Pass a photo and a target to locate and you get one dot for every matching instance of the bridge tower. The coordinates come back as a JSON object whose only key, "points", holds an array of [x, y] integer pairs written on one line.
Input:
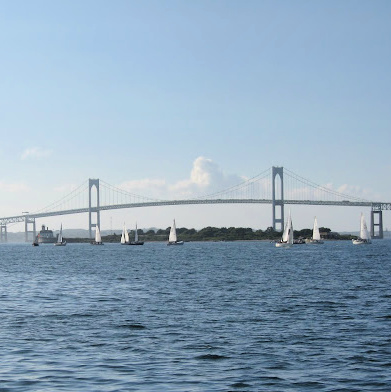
{"points": [[29, 221], [3, 232], [376, 221], [91, 210], [278, 203]]}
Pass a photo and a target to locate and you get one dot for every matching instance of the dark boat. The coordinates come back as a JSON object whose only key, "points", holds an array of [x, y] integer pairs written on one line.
{"points": [[135, 243], [125, 238]]}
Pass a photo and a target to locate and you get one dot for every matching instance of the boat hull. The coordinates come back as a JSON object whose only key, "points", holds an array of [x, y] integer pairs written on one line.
{"points": [[313, 242], [175, 243], [360, 242], [60, 243], [283, 245]]}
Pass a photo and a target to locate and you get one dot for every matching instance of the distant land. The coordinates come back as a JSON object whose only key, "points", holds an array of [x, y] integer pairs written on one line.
{"points": [[67, 233]]}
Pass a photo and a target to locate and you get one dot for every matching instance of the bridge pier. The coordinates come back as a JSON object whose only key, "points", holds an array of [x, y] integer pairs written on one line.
{"points": [[376, 222], [3, 233], [29, 221], [93, 183], [278, 203]]}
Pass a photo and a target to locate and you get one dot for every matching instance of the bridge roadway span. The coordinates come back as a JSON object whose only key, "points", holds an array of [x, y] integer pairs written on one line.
{"points": [[21, 218]]}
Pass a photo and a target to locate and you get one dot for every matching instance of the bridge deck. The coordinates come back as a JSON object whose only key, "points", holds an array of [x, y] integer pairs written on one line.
{"points": [[378, 206]]}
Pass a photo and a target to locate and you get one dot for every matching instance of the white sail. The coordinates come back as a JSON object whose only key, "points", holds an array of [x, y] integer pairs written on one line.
{"points": [[59, 239], [287, 235], [98, 237], [364, 234], [290, 236], [172, 236], [126, 234], [123, 235], [135, 234], [315, 231]]}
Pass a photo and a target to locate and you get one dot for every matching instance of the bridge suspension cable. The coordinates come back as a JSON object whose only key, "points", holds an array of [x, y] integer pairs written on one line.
{"points": [[258, 187], [111, 194], [300, 188], [77, 198]]}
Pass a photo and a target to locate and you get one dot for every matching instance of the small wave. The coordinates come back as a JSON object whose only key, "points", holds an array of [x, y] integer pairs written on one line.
{"points": [[98, 344], [240, 385], [386, 317], [132, 326], [211, 357], [309, 384]]}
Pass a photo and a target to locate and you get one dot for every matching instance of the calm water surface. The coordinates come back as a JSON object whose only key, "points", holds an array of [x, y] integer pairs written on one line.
{"points": [[227, 316]]}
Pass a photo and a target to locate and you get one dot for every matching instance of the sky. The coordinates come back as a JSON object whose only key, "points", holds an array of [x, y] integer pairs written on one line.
{"points": [[195, 95]]}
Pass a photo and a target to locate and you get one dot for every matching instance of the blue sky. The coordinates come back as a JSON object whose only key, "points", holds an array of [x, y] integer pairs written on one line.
{"points": [[136, 92]]}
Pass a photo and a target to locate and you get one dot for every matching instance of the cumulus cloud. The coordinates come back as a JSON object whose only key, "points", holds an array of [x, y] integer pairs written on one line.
{"points": [[35, 153], [16, 187], [205, 177]]}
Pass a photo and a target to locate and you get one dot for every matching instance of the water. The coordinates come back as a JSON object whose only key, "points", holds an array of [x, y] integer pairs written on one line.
{"points": [[227, 316]]}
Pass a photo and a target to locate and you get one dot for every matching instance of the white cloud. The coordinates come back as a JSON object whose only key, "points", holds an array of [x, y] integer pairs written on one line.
{"points": [[35, 153], [205, 177]]}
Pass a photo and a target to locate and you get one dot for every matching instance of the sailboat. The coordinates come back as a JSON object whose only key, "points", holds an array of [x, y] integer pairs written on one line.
{"points": [[60, 239], [364, 237], [315, 235], [124, 236], [136, 240], [172, 238], [287, 236], [98, 238]]}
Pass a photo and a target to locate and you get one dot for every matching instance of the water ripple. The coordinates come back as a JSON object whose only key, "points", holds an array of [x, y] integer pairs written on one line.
{"points": [[207, 317]]}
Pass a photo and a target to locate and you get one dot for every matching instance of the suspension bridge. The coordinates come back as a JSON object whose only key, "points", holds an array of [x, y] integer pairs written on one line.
{"points": [[275, 186]]}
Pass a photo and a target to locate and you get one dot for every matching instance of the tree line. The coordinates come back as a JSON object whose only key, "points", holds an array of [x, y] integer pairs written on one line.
{"points": [[219, 234]]}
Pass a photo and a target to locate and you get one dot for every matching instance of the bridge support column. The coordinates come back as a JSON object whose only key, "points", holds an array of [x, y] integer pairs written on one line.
{"points": [[278, 203], [3, 233], [376, 222], [29, 221], [91, 210]]}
